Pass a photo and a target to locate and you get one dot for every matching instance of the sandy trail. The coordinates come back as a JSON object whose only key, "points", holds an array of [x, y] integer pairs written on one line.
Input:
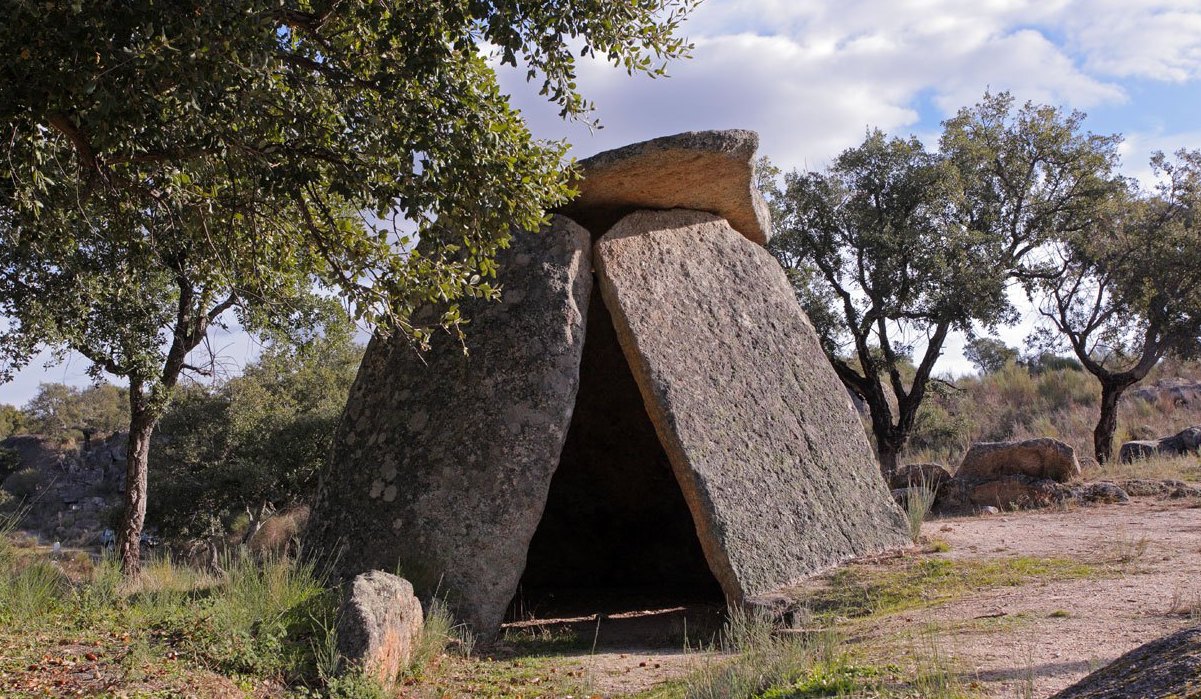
{"points": [[1060, 631]]}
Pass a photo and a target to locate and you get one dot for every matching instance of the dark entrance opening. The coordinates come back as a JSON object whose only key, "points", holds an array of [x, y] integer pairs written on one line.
{"points": [[616, 535]]}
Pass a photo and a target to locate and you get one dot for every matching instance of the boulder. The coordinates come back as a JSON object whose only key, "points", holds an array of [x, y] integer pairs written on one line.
{"points": [[1102, 492], [379, 625], [442, 462], [1034, 458], [1137, 450], [711, 171], [932, 476], [1173, 391], [770, 455], [1019, 492], [1166, 667], [1187, 441]]}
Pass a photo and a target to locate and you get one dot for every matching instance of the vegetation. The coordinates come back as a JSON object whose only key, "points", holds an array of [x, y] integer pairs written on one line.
{"points": [[260, 623], [234, 453], [1027, 399], [170, 169], [69, 415], [1128, 292], [894, 243]]}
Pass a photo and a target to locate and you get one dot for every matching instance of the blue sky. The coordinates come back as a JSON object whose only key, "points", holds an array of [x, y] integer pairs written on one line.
{"points": [[812, 75]]}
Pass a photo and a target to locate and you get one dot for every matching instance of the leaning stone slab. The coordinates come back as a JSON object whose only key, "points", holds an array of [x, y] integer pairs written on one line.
{"points": [[769, 452], [710, 171], [379, 625], [441, 464], [1034, 458], [1167, 667]]}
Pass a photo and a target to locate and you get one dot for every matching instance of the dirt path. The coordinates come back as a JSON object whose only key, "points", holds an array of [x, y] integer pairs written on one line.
{"points": [[1007, 641], [1048, 635]]}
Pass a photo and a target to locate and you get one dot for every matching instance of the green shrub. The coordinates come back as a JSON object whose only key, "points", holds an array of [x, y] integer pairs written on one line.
{"points": [[10, 462], [24, 483]]}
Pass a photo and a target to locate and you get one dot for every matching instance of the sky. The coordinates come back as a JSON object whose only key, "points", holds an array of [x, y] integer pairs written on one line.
{"points": [[811, 76]]}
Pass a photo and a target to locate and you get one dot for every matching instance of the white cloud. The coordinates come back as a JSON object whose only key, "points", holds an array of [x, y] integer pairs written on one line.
{"points": [[1154, 39], [811, 76]]}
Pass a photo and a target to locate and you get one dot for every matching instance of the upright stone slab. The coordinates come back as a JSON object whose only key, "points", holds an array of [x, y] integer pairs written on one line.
{"points": [[710, 171], [766, 446], [442, 462]]}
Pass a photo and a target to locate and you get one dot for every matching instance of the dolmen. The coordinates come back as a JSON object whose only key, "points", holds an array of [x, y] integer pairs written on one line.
{"points": [[647, 406]]}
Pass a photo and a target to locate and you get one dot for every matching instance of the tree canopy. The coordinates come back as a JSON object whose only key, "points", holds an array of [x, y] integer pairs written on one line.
{"points": [[894, 246], [1128, 291], [169, 167]]}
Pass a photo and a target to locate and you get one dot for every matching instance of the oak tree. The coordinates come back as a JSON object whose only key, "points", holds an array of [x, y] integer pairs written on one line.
{"points": [[167, 168], [893, 247], [1128, 292]]}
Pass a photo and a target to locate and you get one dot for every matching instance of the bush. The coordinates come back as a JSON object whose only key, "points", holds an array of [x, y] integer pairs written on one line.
{"points": [[24, 483], [10, 462], [257, 442]]}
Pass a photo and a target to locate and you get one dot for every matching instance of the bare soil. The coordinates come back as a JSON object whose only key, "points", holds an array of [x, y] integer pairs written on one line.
{"points": [[1045, 636], [1028, 640]]}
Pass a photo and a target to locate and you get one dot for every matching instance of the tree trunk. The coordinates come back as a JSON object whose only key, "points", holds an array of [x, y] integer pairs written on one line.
{"points": [[888, 450], [1107, 423], [141, 425]]}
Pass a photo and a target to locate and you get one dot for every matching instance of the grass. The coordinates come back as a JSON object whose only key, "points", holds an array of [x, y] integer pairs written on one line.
{"points": [[262, 625], [1177, 468], [766, 664], [918, 502], [859, 591], [1186, 603]]}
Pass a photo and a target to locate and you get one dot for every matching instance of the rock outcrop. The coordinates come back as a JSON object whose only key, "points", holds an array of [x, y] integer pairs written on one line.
{"points": [[711, 171], [1172, 391], [768, 451], [443, 460], [379, 625], [1169, 667], [1184, 442], [66, 494], [1012, 475], [1045, 458]]}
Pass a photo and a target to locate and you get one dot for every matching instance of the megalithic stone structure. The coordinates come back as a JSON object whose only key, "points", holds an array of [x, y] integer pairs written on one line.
{"points": [[681, 427], [767, 449], [442, 460]]}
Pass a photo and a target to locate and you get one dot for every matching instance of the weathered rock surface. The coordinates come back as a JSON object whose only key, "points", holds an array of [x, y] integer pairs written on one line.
{"points": [[932, 476], [769, 453], [379, 625], [442, 462], [1172, 391], [711, 171], [1167, 667], [1187, 441], [1102, 492], [1035, 458], [67, 494], [1142, 487], [1019, 492]]}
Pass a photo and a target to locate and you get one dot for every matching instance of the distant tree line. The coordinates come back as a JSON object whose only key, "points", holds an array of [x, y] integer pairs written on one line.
{"points": [[895, 246], [250, 444]]}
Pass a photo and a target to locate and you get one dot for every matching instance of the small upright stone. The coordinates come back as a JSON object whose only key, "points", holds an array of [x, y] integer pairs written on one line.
{"points": [[379, 625], [711, 171]]}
